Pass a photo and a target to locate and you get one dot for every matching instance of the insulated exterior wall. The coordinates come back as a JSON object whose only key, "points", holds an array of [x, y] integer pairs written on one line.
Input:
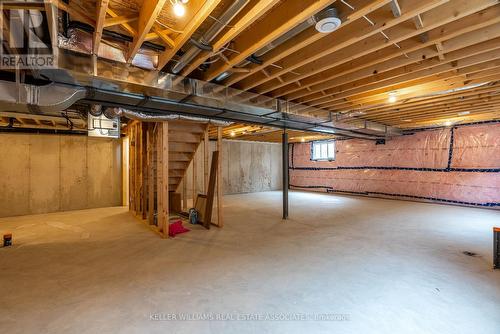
{"points": [[459, 165], [48, 173]]}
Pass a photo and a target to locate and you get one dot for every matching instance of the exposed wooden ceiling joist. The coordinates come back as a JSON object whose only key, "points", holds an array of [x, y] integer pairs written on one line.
{"points": [[315, 60], [371, 66], [101, 7], [188, 31], [253, 14], [147, 17], [280, 20], [302, 40]]}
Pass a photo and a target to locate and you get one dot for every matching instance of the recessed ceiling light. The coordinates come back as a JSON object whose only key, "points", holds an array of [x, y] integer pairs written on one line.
{"points": [[179, 9], [463, 113], [448, 123], [233, 134], [302, 139], [392, 97]]}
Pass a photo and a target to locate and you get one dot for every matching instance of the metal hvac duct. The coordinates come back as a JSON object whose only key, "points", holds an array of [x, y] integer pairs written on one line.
{"points": [[209, 35], [47, 99]]}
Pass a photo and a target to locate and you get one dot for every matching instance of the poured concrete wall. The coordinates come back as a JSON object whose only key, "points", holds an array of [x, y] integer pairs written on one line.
{"points": [[246, 167], [47, 173]]}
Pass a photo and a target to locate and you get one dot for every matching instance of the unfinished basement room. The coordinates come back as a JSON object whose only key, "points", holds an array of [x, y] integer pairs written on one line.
{"points": [[250, 166]]}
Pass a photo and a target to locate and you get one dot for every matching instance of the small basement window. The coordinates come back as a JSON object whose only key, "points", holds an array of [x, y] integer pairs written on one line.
{"points": [[323, 150]]}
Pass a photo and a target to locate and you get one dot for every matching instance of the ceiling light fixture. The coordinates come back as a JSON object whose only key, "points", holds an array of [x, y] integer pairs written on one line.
{"points": [[448, 123], [302, 140], [233, 134], [179, 9], [327, 21], [392, 97]]}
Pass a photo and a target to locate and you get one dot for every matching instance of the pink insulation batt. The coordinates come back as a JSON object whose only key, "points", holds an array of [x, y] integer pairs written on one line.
{"points": [[415, 166]]}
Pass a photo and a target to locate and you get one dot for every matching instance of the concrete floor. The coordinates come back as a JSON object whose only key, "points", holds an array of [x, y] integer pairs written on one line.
{"points": [[381, 266]]}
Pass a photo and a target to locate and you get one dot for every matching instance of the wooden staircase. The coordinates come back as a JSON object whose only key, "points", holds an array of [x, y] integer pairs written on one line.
{"points": [[147, 170], [183, 141]]}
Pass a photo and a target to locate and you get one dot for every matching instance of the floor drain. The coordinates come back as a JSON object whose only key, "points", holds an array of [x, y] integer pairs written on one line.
{"points": [[469, 253]]}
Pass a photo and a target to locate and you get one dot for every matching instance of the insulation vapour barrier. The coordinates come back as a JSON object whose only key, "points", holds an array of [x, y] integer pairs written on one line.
{"points": [[459, 165]]}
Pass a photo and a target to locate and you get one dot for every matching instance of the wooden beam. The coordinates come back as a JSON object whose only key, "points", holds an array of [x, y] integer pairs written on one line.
{"points": [[162, 34], [283, 18], [75, 11], [206, 149], [165, 177], [355, 39], [374, 64], [444, 15], [435, 83], [220, 218], [76, 121], [252, 15], [151, 175], [51, 13], [101, 7], [132, 169], [159, 176], [303, 40], [194, 180], [131, 30], [145, 172], [408, 79], [147, 17], [351, 81], [184, 193], [118, 20], [189, 30], [138, 168]]}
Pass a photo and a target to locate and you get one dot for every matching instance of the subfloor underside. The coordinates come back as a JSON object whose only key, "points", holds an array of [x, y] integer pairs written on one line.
{"points": [[339, 264]]}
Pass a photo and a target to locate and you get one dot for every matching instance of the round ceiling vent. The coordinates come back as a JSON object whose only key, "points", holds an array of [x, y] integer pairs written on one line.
{"points": [[327, 21]]}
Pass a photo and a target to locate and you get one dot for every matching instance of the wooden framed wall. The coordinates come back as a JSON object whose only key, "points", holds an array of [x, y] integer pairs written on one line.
{"points": [[159, 156]]}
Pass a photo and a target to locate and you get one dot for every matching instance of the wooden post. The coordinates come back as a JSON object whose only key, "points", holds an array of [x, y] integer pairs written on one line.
{"points": [[220, 221], [137, 167], [184, 193], [151, 175], [144, 167], [206, 148], [131, 166], [159, 175], [194, 178], [165, 179]]}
